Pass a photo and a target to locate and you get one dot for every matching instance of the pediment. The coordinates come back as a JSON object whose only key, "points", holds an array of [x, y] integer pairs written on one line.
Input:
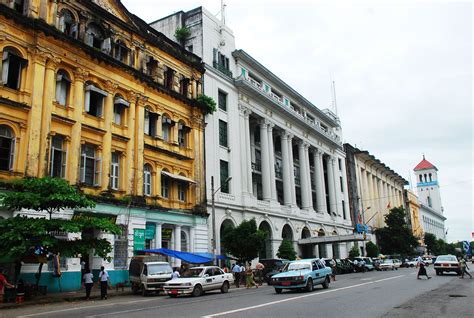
{"points": [[115, 8]]}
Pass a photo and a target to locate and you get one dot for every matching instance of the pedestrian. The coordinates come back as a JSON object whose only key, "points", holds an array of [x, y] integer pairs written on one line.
{"points": [[249, 279], [333, 269], [236, 270], [88, 279], [259, 274], [464, 268], [3, 283], [104, 279], [422, 270], [175, 274]]}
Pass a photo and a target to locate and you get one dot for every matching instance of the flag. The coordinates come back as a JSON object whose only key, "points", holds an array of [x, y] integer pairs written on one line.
{"points": [[388, 205], [466, 246]]}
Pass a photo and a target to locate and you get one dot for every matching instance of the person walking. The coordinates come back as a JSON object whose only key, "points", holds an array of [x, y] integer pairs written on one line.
{"points": [[175, 274], [259, 274], [88, 279], [249, 279], [464, 268], [236, 270], [104, 279], [333, 269], [422, 270], [3, 283]]}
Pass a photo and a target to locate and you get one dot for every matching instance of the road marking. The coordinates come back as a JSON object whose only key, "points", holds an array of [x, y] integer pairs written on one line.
{"points": [[298, 297]]}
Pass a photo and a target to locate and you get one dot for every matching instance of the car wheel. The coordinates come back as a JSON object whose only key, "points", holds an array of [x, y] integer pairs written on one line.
{"points": [[309, 285], [326, 283], [278, 290], [225, 287], [135, 288], [173, 295], [437, 273], [144, 291], [197, 291]]}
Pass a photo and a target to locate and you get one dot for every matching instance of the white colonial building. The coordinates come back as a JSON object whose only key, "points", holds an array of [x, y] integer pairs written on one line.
{"points": [[429, 197], [284, 155]]}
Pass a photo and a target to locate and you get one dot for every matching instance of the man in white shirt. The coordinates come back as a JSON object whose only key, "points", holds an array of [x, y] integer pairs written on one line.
{"points": [[175, 274], [103, 281]]}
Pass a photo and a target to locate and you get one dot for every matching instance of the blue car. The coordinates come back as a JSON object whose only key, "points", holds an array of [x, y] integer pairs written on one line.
{"points": [[302, 274]]}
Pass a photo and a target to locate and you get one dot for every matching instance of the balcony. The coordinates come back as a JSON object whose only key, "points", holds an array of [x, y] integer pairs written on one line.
{"points": [[222, 69]]}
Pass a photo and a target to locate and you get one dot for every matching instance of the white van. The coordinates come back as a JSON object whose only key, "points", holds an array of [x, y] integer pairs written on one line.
{"points": [[148, 274]]}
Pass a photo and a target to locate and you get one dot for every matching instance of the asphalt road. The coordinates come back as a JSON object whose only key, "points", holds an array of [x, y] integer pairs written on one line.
{"points": [[373, 294]]}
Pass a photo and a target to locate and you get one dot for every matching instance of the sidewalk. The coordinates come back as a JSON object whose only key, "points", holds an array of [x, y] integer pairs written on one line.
{"points": [[67, 297]]}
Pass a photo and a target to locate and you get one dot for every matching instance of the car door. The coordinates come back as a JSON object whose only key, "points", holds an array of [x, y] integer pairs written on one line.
{"points": [[219, 277], [318, 273], [208, 279]]}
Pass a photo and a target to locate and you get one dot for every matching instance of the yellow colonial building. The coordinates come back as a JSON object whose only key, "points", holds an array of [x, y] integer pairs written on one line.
{"points": [[90, 93], [413, 206]]}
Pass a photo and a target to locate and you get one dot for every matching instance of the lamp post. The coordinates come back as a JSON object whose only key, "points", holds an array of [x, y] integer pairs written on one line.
{"points": [[213, 210], [363, 224]]}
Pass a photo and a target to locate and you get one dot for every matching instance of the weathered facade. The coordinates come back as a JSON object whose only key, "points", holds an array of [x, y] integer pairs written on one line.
{"points": [[90, 93]]}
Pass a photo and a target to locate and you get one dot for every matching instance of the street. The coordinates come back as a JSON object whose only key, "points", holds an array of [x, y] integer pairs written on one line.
{"points": [[372, 294]]}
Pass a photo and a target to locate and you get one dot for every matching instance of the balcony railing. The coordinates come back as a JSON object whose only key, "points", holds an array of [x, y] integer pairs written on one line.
{"points": [[222, 69]]}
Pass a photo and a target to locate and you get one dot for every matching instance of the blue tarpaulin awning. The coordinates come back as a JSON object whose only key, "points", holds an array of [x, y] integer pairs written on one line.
{"points": [[185, 256]]}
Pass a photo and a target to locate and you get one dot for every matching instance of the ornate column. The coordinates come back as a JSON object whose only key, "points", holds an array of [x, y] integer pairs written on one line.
{"points": [[303, 176], [332, 194], [345, 190], [140, 145], [78, 106], [265, 160], [271, 153], [308, 176], [158, 235], [245, 155], [110, 87], [319, 180], [292, 171], [192, 233], [287, 175], [130, 167], [48, 97], [177, 243], [337, 187]]}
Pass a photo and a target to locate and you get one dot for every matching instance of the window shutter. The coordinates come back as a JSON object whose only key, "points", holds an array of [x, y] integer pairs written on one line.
{"points": [[51, 165], [5, 65], [87, 101], [82, 170], [132, 58], [12, 154], [64, 164], [61, 24], [146, 127], [98, 171], [89, 38], [214, 51], [74, 30], [106, 46], [100, 108]]}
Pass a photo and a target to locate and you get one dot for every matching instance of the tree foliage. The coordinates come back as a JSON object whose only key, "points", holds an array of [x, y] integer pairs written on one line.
{"points": [[44, 194], [431, 244], [207, 104], [396, 237], [244, 241], [354, 251], [181, 34], [286, 250], [372, 249]]}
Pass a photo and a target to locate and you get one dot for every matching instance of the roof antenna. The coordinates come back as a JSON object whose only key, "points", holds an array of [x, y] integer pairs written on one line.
{"points": [[223, 5], [423, 156], [333, 95]]}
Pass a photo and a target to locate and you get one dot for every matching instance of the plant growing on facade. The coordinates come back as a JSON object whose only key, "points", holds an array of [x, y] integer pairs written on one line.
{"points": [[286, 250], [354, 251], [44, 194], [372, 249], [181, 34], [207, 104], [243, 241]]}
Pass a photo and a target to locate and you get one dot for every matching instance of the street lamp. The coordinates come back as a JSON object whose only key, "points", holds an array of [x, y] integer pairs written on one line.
{"points": [[213, 208]]}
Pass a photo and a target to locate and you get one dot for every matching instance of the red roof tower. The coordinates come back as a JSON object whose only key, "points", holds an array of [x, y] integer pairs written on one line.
{"points": [[425, 164]]}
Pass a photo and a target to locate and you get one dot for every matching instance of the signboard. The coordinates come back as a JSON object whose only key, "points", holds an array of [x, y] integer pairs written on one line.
{"points": [[138, 239], [150, 231], [360, 228], [166, 233], [78, 215]]}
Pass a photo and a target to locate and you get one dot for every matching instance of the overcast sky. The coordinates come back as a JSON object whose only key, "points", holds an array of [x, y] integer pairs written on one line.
{"points": [[403, 74]]}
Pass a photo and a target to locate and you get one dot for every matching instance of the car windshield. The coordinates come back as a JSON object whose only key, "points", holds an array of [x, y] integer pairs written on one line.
{"points": [[388, 261], [368, 260], [446, 259], [192, 272], [299, 266], [158, 269]]}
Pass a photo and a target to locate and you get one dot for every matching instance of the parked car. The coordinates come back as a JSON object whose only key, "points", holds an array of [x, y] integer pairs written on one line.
{"points": [[447, 263], [369, 263], [302, 274], [272, 266], [410, 262], [397, 263], [196, 280], [427, 261], [148, 274], [387, 264], [347, 266]]}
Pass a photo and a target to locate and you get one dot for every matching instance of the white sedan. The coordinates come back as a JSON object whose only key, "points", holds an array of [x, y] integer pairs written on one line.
{"points": [[387, 264], [196, 280]]}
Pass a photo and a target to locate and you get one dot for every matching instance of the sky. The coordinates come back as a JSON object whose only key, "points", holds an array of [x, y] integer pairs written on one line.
{"points": [[402, 73]]}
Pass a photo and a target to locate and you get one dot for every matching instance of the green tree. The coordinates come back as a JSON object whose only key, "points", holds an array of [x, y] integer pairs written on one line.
{"points": [[286, 250], [372, 249], [354, 251], [243, 241], [44, 194], [396, 237], [430, 242]]}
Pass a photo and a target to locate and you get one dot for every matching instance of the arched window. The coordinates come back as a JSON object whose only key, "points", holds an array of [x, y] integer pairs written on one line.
{"points": [[431, 177], [12, 67], [165, 186], [121, 51], [147, 180], [182, 187], [425, 177], [7, 148], [67, 23], [166, 124], [184, 242], [95, 37], [421, 178], [183, 134], [63, 85]]}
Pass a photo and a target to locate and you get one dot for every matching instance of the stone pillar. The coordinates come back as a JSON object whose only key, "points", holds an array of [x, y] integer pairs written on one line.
{"points": [[292, 171], [308, 176], [243, 150], [107, 141], [140, 146], [157, 235], [345, 190], [319, 180], [332, 195], [177, 243], [129, 169], [74, 152], [337, 187], [286, 173], [265, 161], [192, 234], [304, 184], [271, 154], [48, 97], [247, 145]]}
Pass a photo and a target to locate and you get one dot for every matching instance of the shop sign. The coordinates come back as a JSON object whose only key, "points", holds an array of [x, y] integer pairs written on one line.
{"points": [[150, 231], [138, 239], [166, 233]]}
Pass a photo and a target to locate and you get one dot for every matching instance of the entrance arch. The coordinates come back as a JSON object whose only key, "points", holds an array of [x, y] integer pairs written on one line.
{"points": [[306, 249], [225, 224], [266, 251], [287, 233], [322, 246]]}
